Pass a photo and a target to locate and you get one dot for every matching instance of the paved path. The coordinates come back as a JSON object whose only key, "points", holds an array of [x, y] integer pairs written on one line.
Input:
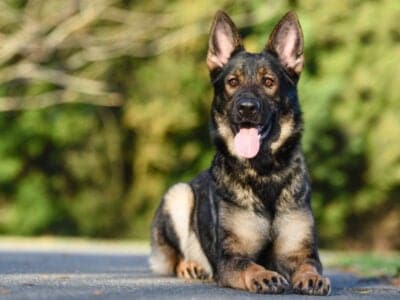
{"points": [[97, 271]]}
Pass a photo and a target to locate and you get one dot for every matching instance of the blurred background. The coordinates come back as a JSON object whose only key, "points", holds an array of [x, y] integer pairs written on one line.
{"points": [[105, 103]]}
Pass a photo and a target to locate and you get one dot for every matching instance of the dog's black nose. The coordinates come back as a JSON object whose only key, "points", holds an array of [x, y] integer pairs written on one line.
{"points": [[248, 107]]}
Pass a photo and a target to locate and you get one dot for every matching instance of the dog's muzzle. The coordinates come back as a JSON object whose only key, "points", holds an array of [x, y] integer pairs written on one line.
{"points": [[248, 110], [252, 126]]}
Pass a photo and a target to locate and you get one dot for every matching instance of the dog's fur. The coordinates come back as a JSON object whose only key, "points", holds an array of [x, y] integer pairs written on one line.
{"points": [[247, 222]]}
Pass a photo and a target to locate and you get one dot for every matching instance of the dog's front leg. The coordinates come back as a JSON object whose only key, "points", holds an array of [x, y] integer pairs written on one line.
{"points": [[306, 279], [296, 252], [242, 273], [242, 235]]}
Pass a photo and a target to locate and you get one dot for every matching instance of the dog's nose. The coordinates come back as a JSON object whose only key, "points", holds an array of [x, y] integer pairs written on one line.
{"points": [[248, 107]]}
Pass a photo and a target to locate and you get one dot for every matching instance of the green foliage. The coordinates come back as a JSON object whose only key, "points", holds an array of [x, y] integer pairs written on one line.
{"points": [[350, 102], [85, 168], [364, 263]]}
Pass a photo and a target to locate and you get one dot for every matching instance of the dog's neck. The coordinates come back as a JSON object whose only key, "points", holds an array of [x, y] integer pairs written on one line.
{"points": [[266, 165]]}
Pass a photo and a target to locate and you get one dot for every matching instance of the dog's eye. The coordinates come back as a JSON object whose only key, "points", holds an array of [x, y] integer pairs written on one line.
{"points": [[268, 82], [233, 82]]}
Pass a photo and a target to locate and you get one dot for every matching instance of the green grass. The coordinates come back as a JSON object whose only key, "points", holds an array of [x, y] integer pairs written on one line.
{"points": [[364, 263]]}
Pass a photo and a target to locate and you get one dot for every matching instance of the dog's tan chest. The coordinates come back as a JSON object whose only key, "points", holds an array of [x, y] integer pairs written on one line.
{"points": [[246, 232]]}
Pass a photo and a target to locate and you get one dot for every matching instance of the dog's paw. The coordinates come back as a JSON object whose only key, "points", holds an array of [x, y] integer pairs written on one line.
{"points": [[311, 283], [260, 280], [191, 270]]}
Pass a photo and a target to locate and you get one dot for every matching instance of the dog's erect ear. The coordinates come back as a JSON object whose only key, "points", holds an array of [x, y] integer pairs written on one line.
{"points": [[224, 41], [286, 42]]}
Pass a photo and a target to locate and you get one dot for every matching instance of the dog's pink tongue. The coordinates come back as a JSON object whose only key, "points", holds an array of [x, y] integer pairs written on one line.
{"points": [[247, 142]]}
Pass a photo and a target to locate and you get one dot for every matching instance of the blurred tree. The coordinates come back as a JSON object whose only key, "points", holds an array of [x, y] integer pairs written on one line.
{"points": [[351, 106], [105, 103]]}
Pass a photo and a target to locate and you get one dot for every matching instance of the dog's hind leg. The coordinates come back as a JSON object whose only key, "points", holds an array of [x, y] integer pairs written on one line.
{"points": [[164, 255], [175, 246]]}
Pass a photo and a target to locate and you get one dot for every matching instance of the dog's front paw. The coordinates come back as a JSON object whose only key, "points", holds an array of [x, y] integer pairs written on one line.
{"points": [[260, 280], [311, 283], [191, 270]]}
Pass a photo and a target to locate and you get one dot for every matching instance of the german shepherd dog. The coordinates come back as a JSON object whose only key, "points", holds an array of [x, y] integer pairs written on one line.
{"points": [[246, 222]]}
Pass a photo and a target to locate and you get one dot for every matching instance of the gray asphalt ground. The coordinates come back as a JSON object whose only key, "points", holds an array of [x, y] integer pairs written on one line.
{"points": [[70, 270]]}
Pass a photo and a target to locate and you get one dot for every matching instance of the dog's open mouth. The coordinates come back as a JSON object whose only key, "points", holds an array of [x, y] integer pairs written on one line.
{"points": [[248, 139]]}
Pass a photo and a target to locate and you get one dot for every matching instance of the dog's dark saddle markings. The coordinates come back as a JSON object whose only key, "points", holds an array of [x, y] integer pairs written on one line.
{"points": [[247, 222]]}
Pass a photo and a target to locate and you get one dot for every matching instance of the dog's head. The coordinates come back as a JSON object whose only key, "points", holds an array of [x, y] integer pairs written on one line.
{"points": [[255, 109]]}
